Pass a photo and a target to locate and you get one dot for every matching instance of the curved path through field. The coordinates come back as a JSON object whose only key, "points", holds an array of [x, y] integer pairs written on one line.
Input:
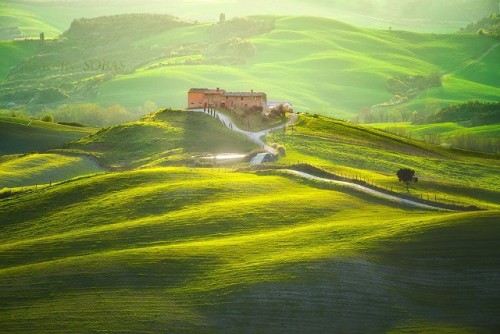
{"points": [[256, 137], [365, 190]]}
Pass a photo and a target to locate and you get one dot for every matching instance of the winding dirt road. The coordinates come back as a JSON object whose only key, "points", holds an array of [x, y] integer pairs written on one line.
{"points": [[365, 190], [256, 137]]}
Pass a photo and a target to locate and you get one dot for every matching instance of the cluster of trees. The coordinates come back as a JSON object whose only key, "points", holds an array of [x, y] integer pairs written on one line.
{"points": [[116, 28], [90, 114], [487, 26], [476, 143], [472, 113], [381, 115], [410, 85]]}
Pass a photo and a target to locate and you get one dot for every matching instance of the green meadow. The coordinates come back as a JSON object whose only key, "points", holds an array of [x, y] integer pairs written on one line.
{"points": [[186, 250], [445, 130], [37, 169], [373, 155], [147, 248], [284, 56]]}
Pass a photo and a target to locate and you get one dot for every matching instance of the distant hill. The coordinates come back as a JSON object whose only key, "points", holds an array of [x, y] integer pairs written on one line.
{"points": [[20, 135], [424, 9], [284, 56], [487, 26], [473, 113]]}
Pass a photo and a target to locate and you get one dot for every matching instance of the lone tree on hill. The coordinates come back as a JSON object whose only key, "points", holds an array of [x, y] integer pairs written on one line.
{"points": [[406, 175]]}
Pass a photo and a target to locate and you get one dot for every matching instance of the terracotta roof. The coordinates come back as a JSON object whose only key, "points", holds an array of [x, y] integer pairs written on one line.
{"points": [[247, 94], [206, 91], [223, 92]]}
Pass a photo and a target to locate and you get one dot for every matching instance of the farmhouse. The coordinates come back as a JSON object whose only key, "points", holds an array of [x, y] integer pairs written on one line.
{"points": [[219, 98]]}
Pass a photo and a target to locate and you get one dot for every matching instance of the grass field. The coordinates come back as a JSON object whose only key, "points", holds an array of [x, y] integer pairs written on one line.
{"points": [[196, 251], [376, 156], [21, 135], [37, 169], [154, 246], [176, 249], [445, 130], [483, 138]]}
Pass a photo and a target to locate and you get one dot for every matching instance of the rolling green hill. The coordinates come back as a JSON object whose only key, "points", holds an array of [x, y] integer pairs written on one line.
{"points": [[38, 169], [26, 18], [483, 138], [352, 64], [284, 56], [12, 53], [168, 137], [21, 135], [375, 156], [177, 249], [197, 251]]}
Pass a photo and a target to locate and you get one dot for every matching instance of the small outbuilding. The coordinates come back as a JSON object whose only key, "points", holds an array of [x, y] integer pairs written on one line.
{"points": [[262, 158]]}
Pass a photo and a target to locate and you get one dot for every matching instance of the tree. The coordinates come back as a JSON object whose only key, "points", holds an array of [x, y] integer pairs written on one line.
{"points": [[48, 118], [406, 175], [222, 18]]}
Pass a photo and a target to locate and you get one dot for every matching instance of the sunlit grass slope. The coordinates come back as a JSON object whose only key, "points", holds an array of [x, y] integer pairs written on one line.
{"points": [[20, 135], [12, 53], [36, 169], [178, 250], [29, 22], [444, 129], [167, 137], [317, 64], [448, 133], [375, 155]]}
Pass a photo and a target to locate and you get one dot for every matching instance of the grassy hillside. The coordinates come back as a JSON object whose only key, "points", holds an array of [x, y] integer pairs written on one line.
{"points": [[168, 137], [431, 16], [12, 53], [197, 251], [28, 20], [376, 156], [483, 138], [177, 249], [284, 56], [37, 169], [352, 64], [21, 135]]}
